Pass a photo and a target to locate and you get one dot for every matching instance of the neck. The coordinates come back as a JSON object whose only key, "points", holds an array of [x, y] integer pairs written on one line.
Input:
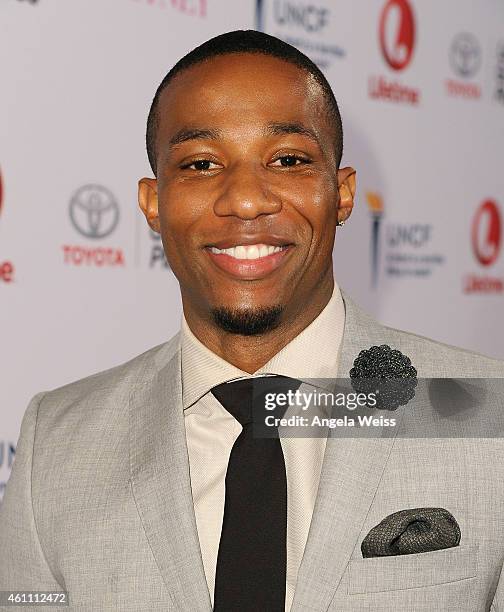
{"points": [[249, 353]]}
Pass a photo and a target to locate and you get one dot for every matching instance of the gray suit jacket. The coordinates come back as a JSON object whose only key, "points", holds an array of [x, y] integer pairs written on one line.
{"points": [[99, 500]]}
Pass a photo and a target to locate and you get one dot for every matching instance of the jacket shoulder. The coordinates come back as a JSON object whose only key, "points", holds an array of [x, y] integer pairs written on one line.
{"points": [[431, 358], [119, 379], [438, 360]]}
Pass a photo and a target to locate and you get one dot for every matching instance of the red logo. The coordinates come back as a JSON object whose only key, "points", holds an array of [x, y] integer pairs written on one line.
{"points": [[6, 267], [1, 192], [195, 8], [397, 33], [486, 233]]}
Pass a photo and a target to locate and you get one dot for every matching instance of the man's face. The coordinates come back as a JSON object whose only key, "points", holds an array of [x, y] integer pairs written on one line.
{"points": [[246, 197]]}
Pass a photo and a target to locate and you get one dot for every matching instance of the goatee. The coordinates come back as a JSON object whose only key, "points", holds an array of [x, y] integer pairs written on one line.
{"points": [[247, 322]]}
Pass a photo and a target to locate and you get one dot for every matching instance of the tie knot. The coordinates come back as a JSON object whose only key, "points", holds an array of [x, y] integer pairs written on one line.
{"points": [[239, 397]]}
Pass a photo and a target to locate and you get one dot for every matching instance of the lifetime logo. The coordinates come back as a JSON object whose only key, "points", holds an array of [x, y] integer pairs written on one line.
{"points": [[6, 267], [486, 233], [397, 33]]}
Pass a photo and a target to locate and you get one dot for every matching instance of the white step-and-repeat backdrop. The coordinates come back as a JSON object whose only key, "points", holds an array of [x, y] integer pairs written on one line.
{"points": [[421, 89]]}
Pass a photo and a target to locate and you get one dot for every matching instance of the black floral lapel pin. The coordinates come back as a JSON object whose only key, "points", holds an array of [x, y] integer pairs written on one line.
{"points": [[386, 372]]}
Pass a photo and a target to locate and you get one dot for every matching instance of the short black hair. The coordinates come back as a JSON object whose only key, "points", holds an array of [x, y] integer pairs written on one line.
{"points": [[245, 41]]}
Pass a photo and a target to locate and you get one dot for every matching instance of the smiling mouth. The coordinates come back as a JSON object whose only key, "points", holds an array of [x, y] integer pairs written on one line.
{"points": [[251, 261], [249, 251]]}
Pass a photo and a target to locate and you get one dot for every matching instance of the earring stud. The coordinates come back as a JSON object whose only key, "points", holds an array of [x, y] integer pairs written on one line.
{"points": [[340, 223]]}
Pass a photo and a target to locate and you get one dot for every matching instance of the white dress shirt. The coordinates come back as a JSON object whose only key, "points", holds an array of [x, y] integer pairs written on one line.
{"points": [[211, 432]]}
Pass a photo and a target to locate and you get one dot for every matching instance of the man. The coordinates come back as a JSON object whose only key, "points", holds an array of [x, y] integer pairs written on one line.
{"points": [[123, 491]]}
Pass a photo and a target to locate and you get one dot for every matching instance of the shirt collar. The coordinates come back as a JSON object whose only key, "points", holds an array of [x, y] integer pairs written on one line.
{"points": [[312, 354]]}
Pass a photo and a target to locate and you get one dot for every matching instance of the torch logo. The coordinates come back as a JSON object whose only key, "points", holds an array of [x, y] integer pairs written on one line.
{"points": [[375, 204]]}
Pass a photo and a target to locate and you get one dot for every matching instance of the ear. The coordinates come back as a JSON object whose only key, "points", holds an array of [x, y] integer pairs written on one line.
{"points": [[148, 202], [346, 189]]}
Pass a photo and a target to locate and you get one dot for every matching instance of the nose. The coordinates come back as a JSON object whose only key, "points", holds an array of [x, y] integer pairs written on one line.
{"points": [[246, 194]]}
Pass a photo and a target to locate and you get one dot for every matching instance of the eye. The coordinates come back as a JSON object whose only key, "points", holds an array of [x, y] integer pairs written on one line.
{"points": [[199, 164], [289, 161]]}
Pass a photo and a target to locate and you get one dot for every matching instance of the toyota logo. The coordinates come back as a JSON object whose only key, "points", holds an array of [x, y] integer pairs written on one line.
{"points": [[465, 55], [94, 211], [486, 233], [397, 33]]}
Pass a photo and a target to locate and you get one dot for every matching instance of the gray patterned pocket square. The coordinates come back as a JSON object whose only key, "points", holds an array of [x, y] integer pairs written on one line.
{"points": [[412, 531]]}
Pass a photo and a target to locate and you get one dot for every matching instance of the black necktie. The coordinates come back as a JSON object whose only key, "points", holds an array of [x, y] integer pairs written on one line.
{"points": [[252, 557]]}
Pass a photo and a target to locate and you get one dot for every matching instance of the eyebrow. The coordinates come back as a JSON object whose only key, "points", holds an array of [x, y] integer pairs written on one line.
{"points": [[186, 134], [272, 129], [275, 129]]}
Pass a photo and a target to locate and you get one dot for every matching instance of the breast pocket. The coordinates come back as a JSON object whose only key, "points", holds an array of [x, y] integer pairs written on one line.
{"points": [[379, 574]]}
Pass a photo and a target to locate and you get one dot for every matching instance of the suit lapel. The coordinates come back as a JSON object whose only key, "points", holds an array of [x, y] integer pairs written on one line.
{"points": [[350, 476], [161, 486]]}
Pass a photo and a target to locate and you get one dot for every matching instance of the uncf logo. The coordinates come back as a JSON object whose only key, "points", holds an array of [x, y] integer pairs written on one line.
{"points": [[397, 33], [486, 233]]}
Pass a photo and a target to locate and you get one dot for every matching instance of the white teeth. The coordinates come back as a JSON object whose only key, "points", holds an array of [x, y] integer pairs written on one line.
{"points": [[250, 251], [253, 252], [240, 252]]}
